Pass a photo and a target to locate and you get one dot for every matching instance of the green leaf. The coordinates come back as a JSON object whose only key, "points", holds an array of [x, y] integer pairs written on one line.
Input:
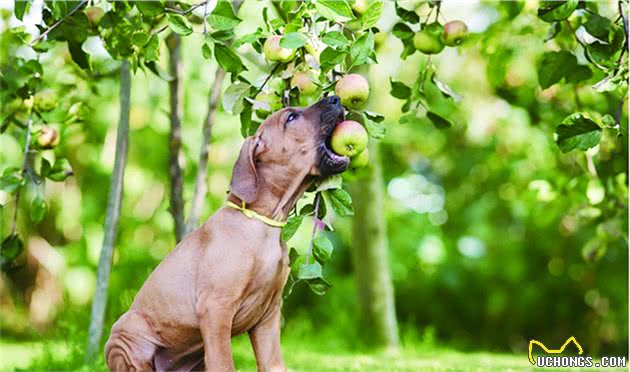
{"points": [[335, 39], [79, 56], [150, 8], [179, 24], [399, 89], [372, 14], [61, 170], [10, 182], [152, 49], [361, 49], [319, 286], [553, 10], [376, 130], [340, 202], [19, 8], [553, 31], [334, 10], [578, 132], [402, 31], [406, 15], [439, 121], [553, 67], [445, 89], [293, 40], [330, 57], [310, 271], [329, 183], [140, 38], [599, 27], [72, 29], [38, 209], [293, 223], [223, 17], [233, 97], [12, 246], [206, 51], [322, 249], [227, 59]]}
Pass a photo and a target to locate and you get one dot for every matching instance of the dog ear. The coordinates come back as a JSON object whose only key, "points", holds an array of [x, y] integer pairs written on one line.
{"points": [[244, 176]]}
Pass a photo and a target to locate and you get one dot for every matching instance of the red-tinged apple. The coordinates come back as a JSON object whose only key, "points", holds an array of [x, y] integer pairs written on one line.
{"points": [[454, 33], [94, 14], [48, 137], [275, 52], [353, 90], [304, 81]]}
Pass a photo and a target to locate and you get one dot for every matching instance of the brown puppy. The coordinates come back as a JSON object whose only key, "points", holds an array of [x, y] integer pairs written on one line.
{"points": [[227, 277]]}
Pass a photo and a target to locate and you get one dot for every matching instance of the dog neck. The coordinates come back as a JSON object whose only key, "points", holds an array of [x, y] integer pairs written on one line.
{"points": [[276, 201]]}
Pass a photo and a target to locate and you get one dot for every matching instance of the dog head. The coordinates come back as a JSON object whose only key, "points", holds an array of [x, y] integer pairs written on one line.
{"points": [[289, 147]]}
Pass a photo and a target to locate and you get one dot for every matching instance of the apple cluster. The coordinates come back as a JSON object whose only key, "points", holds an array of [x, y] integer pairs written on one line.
{"points": [[433, 37]]}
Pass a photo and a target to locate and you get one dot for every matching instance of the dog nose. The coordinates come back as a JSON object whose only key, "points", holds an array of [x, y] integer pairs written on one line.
{"points": [[333, 100]]}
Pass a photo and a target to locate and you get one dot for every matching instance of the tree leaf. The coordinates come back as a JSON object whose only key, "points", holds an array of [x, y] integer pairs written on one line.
{"points": [[375, 129], [399, 89], [322, 249], [179, 25], [150, 8], [578, 132], [158, 70], [553, 10], [79, 56], [330, 57], [293, 40], [335, 39], [402, 31], [38, 209], [406, 15], [10, 182], [439, 121], [12, 246], [372, 14], [61, 170], [227, 59], [334, 10], [319, 286], [361, 49], [553, 67], [233, 97], [72, 29], [445, 89], [19, 8], [340, 202], [293, 223], [310, 271], [223, 17], [152, 49]]}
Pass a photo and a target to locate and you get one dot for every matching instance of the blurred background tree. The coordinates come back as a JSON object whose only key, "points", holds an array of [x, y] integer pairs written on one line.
{"points": [[505, 209]]}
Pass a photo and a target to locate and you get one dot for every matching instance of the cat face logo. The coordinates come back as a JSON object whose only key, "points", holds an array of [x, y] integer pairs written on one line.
{"points": [[553, 351]]}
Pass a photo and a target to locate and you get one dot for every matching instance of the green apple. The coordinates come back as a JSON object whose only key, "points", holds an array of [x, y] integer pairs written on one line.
{"points": [[275, 52], [94, 14], [44, 101], [304, 81], [428, 40], [361, 160], [349, 138], [360, 6], [454, 33], [267, 98], [353, 90], [48, 137]]}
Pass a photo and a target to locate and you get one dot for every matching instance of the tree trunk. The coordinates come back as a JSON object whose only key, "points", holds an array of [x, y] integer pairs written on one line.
{"points": [[199, 193], [370, 257], [175, 136], [114, 201]]}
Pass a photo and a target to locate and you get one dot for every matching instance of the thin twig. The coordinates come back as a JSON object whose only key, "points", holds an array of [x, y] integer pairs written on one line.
{"points": [[273, 71], [71, 12], [24, 169], [315, 219], [187, 11], [205, 14]]}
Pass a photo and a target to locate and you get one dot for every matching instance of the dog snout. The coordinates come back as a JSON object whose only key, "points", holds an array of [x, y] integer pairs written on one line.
{"points": [[333, 100]]}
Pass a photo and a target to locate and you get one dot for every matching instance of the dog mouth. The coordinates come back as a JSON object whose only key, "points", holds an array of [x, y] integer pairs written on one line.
{"points": [[329, 162]]}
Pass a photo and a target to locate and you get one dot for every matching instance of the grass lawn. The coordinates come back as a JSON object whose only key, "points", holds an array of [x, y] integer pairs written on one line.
{"points": [[298, 357]]}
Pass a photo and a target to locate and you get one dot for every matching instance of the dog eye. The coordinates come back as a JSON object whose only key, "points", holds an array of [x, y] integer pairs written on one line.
{"points": [[292, 116]]}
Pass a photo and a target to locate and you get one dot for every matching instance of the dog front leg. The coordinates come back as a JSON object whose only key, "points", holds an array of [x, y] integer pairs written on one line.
{"points": [[216, 330], [265, 339]]}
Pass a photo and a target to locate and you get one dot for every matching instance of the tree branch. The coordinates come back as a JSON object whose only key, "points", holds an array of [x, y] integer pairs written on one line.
{"points": [[175, 136], [70, 13], [200, 190], [112, 216]]}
